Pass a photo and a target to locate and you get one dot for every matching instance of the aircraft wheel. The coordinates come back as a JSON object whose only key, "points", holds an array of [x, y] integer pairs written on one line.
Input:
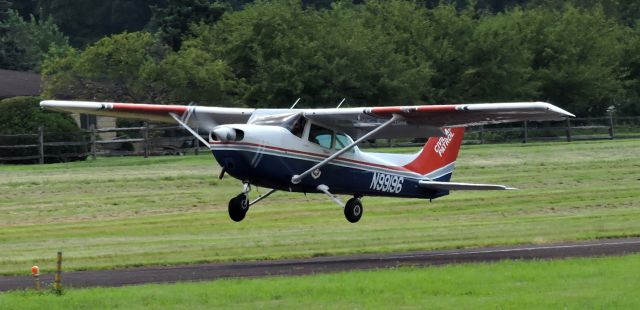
{"points": [[353, 210], [238, 207]]}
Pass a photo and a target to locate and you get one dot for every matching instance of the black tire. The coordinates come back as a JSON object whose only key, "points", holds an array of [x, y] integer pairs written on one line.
{"points": [[353, 210], [238, 207]]}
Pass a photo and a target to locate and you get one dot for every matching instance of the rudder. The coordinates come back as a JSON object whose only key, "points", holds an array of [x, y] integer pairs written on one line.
{"points": [[438, 152]]}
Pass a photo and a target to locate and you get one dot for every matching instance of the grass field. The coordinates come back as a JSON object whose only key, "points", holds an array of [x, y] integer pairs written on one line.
{"points": [[595, 283], [118, 212]]}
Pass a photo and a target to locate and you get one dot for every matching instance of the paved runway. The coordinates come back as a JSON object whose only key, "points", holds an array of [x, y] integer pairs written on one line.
{"points": [[119, 277]]}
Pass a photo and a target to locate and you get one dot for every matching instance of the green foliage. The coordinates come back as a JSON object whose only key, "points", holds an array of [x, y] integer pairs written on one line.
{"points": [[86, 21], [576, 55], [174, 19], [107, 70], [24, 44], [280, 50], [498, 64], [135, 67], [5, 10], [380, 52], [192, 75], [23, 115], [630, 104]]}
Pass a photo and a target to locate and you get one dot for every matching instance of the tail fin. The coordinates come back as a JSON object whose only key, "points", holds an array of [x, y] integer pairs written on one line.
{"points": [[438, 153]]}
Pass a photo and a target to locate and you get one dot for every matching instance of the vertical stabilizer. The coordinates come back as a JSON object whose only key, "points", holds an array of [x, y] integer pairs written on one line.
{"points": [[439, 154]]}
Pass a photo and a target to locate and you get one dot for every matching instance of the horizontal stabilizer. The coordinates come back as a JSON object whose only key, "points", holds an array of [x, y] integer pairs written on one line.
{"points": [[461, 186]]}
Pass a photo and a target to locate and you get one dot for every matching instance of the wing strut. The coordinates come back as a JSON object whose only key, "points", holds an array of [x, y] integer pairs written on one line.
{"points": [[298, 177], [193, 132]]}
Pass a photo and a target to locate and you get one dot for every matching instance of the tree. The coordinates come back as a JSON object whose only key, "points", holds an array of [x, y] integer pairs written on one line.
{"points": [[282, 50], [136, 67], [174, 19], [498, 66], [107, 70], [87, 21], [5, 7], [19, 115], [629, 104], [576, 58], [24, 44]]}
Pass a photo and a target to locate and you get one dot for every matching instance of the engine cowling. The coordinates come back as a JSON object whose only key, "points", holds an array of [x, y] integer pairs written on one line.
{"points": [[226, 134]]}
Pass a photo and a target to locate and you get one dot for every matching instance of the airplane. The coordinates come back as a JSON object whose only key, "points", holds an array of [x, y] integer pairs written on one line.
{"points": [[316, 150]]}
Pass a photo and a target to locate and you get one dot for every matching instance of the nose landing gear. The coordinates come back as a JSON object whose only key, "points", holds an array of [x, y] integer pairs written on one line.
{"points": [[239, 205]]}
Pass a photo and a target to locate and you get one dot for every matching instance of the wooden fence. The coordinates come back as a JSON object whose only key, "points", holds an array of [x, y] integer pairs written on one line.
{"points": [[152, 140], [141, 141]]}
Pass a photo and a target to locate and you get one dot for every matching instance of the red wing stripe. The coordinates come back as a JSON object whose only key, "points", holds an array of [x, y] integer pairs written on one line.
{"points": [[407, 110], [149, 108]]}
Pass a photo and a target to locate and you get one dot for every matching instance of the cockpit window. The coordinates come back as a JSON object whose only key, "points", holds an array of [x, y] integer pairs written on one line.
{"points": [[298, 126], [342, 141], [321, 136]]}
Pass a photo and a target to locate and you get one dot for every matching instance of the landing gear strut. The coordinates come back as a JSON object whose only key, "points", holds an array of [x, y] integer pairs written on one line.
{"points": [[353, 210]]}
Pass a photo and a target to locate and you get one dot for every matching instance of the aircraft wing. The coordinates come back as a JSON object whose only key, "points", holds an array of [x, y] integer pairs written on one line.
{"points": [[197, 115], [426, 120], [460, 186]]}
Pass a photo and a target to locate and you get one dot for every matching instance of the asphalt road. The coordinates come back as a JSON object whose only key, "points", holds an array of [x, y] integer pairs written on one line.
{"points": [[120, 277]]}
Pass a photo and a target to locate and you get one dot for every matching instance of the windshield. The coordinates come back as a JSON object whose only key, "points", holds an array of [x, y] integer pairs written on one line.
{"points": [[342, 141], [294, 122]]}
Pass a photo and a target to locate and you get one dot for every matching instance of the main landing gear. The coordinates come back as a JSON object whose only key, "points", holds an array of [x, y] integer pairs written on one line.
{"points": [[352, 209]]}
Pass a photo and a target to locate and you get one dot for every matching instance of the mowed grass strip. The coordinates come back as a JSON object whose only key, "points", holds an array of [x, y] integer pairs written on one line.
{"points": [[579, 283], [120, 212]]}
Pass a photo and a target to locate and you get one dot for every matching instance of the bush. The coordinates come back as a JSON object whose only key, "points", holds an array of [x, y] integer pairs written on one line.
{"points": [[23, 115]]}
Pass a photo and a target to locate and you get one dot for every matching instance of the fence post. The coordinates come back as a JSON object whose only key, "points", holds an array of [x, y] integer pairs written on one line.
{"points": [[58, 278], [145, 135], [568, 130], [481, 134], [525, 128], [92, 141], [611, 125], [41, 145]]}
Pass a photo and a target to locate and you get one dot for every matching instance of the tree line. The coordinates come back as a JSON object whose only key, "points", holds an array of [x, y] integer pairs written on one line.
{"points": [[581, 55]]}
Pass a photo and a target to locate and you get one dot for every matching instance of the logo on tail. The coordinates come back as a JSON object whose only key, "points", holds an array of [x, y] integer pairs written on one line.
{"points": [[443, 142]]}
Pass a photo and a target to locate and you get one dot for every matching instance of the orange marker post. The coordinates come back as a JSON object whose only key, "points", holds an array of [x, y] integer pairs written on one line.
{"points": [[35, 272]]}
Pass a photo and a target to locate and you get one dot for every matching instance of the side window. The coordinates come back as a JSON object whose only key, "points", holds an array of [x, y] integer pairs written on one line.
{"points": [[342, 141], [320, 135], [298, 127]]}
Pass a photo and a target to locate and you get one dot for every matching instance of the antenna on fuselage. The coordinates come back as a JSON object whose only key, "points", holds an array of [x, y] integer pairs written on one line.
{"points": [[341, 102], [294, 104]]}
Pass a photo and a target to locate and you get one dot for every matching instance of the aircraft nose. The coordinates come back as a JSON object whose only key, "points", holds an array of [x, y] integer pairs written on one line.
{"points": [[226, 134]]}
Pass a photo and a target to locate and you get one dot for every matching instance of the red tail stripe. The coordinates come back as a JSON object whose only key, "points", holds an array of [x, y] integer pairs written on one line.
{"points": [[438, 152]]}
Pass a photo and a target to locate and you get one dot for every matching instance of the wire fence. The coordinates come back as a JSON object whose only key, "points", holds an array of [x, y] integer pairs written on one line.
{"points": [[43, 146]]}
